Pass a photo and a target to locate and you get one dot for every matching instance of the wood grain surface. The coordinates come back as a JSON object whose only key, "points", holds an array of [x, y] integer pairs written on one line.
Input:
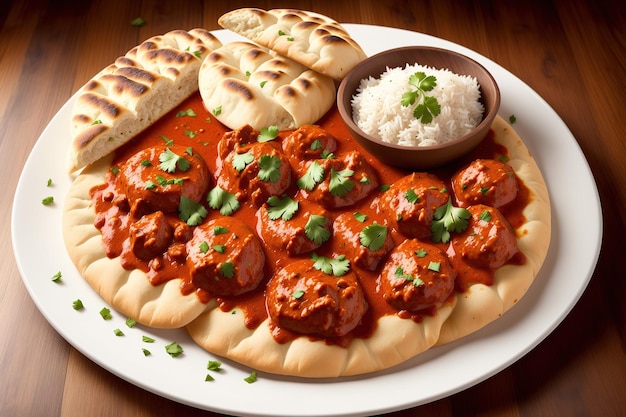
{"points": [[571, 52]]}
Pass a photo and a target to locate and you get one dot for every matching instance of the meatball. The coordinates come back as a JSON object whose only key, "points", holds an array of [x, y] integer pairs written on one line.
{"points": [[255, 172], [416, 276], [225, 257], [346, 180], [354, 238], [305, 300], [307, 143], [410, 203], [155, 178], [306, 231], [485, 181], [489, 241], [150, 236], [231, 140]]}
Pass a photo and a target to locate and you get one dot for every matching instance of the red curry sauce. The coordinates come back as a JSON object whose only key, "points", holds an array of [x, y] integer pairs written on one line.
{"points": [[202, 132]]}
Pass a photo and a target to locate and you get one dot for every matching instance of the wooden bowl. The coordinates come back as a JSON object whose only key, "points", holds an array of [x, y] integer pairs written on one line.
{"points": [[419, 157]]}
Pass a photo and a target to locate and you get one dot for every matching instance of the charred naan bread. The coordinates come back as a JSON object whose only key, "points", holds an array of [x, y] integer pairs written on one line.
{"points": [[136, 90], [309, 38], [241, 83]]}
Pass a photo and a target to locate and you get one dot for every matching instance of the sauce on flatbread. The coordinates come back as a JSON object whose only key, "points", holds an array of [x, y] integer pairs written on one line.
{"points": [[196, 136]]}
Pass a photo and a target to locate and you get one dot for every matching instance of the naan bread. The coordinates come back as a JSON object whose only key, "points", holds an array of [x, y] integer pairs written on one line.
{"points": [[241, 83], [309, 38], [132, 93]]}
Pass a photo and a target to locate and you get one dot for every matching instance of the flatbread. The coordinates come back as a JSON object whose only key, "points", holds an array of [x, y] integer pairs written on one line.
{"points": [[309, 38], [132, 93], [241, 83]]}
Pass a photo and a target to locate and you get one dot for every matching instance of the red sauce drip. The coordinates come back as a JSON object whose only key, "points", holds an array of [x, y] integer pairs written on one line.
{"points": [[203, 132]]}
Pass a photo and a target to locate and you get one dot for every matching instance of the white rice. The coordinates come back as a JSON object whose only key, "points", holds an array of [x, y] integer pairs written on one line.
{"points": [[377, 110]]}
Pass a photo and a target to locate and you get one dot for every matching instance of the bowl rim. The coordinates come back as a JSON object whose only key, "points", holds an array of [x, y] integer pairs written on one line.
{"points": [[346, 113]]}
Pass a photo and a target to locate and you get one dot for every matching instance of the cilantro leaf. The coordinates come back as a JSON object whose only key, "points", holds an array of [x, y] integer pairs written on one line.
{"points": [[332, 266], [268, 133], [373, 236], [174, 349], [340, 183], [242, 160], [399, 272], [427, 106], [190, 211], [169, 161], [447, 219], [227, 269], [222, 200], [281, 209], [269, 168], [314, 175], [315, 231], [411, 196]]}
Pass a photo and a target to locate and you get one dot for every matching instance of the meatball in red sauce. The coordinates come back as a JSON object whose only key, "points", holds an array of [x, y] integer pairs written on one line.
{"points": [[346, 181], [417, 276], [305, 300], [306, 143], [363, 241], [488, 242], [225, 257], [305, 230], [255, 172], [410, 203], [154, 179], [485, 181]]}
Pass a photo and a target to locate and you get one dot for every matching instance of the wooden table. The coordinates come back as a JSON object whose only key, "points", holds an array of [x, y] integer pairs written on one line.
{"points": [[572, 52]]}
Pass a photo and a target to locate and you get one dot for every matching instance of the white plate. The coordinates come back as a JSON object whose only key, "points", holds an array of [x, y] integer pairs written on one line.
{"points": [[440, 372]]}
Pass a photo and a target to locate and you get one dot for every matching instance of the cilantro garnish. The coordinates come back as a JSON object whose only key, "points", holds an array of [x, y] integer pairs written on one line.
{"points": [[227, 269], [204, 246], [147, 339], [485, 216], [217, 111], [512, 119], [447, 219], [214, 366], [219, 248], [373, 236], [360, 217], [57, 277], [219, 230], [281, 209], [146, 352], [46, 201], [401, 274], [170, 161], [174, 349], [105, 313], [314, 175], [222, 200], [412, 196], [188, 112], [242, 160], [316, 144], [268, 133], [340, 183], [251, 378], [190, 211], [427, 107], [315, 231], [269, 168], [332, 266], [77, 305], [434, 266], [118, 332], [297, 294]]}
